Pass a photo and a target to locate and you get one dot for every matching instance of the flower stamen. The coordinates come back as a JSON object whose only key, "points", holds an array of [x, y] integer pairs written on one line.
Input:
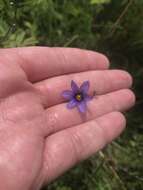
{"points": [[79, 97]]}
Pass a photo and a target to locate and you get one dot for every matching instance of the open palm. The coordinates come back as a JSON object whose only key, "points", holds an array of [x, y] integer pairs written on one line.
{"points": [[39, 137]]}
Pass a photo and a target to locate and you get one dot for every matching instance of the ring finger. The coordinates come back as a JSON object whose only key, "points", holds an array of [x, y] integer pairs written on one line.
{"points": [[59, 117]]}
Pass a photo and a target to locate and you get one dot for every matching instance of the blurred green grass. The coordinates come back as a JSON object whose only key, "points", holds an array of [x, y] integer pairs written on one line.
{"points": [[109, 26]]}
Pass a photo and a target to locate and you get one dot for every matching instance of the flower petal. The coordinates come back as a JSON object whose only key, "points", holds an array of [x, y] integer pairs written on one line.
{"points": [[74, 87], [72, 104], [84, 87], [88, 98], [82, 107], [67, 94]]}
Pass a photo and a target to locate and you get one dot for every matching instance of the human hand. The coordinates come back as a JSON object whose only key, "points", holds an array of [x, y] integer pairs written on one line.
{"points": [[39, 137]]}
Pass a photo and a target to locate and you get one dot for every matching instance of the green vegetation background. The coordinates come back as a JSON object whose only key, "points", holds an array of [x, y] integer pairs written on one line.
{"points": [[114, 27]]}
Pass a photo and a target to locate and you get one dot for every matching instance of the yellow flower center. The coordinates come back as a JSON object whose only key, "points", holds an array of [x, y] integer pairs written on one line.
{"points": [[78, 97]]}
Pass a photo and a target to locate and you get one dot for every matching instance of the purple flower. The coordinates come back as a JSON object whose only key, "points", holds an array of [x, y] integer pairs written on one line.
{"points": [[78, 96]]}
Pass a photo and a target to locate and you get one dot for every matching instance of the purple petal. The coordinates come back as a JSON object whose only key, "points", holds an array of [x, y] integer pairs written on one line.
{"points": [[72, 104], [88, 98], [74, 87], [67, 94], [82, 107], [85, 87]]}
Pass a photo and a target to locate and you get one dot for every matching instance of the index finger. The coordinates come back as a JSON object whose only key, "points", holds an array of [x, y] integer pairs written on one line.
{"points": [[43, 62]]}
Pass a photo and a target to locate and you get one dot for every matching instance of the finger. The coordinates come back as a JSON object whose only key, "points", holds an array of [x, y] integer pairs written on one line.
{"points": [[44, 62], [100, 81], [12, 79], [80, 142], [59, 117]]}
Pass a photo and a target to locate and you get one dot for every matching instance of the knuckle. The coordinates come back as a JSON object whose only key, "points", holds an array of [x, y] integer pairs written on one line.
{"points": [[77, 145]]}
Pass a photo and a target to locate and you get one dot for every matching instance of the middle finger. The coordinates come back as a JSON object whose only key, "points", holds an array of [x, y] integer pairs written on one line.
{"points": [[100, 81]]}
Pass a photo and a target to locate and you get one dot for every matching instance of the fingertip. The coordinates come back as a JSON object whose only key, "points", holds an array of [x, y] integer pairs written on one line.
{"points": [[94, 60], [101, 60], [130, 79], [110, 129], [118, 117], [127, 77], [131, 97], [120, 125], [105, 61]]}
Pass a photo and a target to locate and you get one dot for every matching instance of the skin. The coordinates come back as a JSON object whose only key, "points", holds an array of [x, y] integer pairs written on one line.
{"points": [[40, 138]]}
